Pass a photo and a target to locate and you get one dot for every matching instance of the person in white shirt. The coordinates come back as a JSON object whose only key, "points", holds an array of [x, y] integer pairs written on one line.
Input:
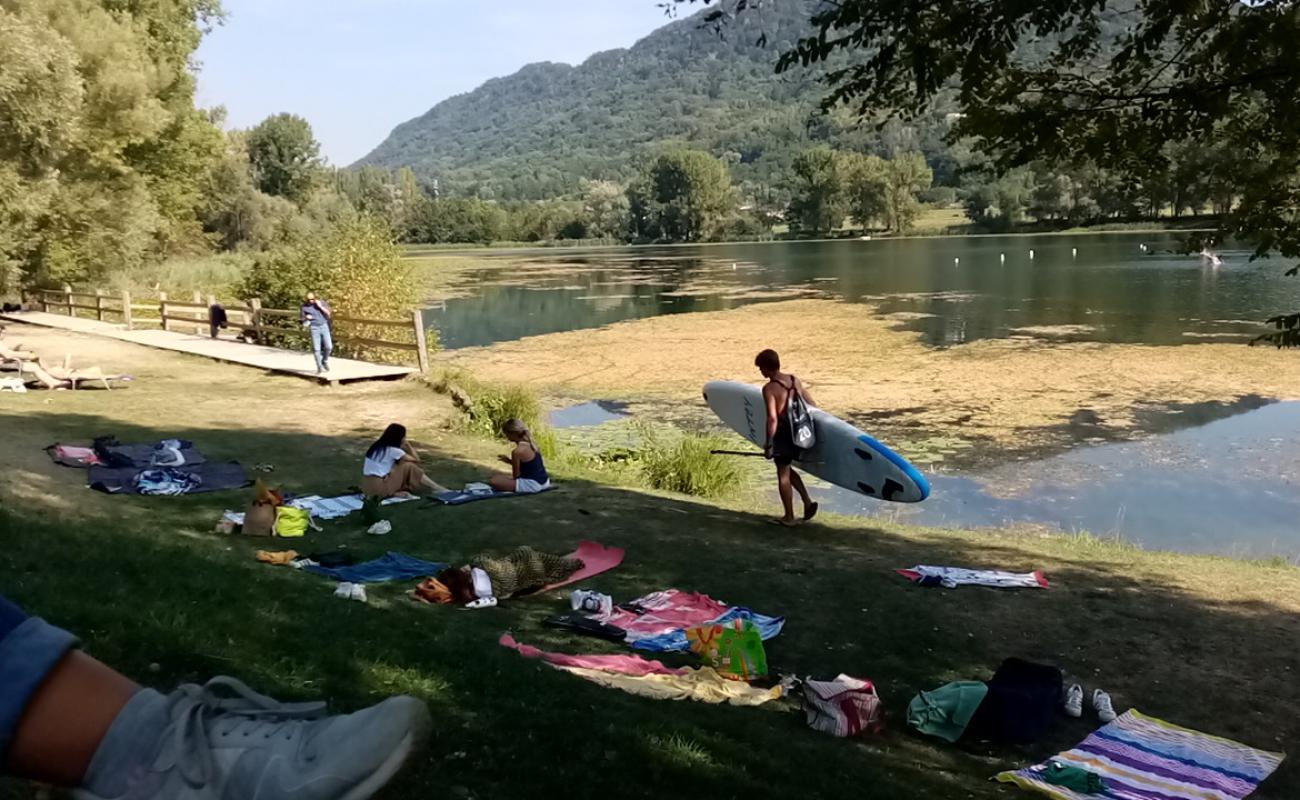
{"points": [[392, 467]]}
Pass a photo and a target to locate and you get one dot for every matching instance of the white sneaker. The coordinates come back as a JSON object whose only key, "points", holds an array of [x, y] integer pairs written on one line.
{"points": [[1101, 702], [202, 744], [358, 593], [1074, 701], [591, 602]]}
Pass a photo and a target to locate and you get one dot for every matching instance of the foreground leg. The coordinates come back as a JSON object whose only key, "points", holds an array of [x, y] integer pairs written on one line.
{"points": [[67, 719], [502, 482], [56, 704]]}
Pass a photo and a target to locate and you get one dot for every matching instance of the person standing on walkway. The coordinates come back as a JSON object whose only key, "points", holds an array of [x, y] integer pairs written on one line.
{"points": [[316, 318], [780, 447]]}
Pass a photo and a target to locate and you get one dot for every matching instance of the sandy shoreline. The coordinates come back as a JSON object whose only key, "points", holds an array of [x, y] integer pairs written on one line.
{"points": [[1009, 396]]}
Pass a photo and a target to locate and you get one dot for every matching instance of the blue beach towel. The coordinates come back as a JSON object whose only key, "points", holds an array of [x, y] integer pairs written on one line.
{"points": [[461, 498], [391, 567], [675, 641]]}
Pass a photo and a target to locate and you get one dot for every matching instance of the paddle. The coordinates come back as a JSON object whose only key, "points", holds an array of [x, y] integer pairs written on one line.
{"points": [[750, 454]]}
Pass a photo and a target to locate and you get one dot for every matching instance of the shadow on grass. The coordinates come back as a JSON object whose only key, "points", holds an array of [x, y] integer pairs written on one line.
{"points": [[157, 595]]}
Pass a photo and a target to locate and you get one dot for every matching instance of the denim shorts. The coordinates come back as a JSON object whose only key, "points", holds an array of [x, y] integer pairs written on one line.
{"points": [[30, 648]]}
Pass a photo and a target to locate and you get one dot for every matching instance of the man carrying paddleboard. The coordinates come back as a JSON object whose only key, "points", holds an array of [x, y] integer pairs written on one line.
{"points": [[781, 448]]}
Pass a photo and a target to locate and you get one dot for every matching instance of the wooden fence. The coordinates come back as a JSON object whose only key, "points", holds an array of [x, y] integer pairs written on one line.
{"points": [[249, 319]]}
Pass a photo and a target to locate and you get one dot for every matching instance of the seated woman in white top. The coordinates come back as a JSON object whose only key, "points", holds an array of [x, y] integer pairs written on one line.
{"points": [[393, 467]]}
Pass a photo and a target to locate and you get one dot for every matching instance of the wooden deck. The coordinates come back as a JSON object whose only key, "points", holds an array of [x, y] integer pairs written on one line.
{"points": [[274, 359]]}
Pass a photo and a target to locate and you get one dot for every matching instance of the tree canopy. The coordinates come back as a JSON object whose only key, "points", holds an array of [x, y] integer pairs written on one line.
{"points": [[285, 157], [102, 153], [1119, 84]]}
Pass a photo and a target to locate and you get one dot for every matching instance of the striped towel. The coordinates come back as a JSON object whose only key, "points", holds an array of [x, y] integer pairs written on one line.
{"points": [[327, 508], [1144, 758]]}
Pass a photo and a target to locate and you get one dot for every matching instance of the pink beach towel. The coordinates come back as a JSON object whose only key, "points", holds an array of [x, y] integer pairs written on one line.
{"points": [[596, 558], [625, 665]]}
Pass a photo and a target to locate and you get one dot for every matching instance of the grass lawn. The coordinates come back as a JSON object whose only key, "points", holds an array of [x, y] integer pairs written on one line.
{"points": [[1203, 642]]}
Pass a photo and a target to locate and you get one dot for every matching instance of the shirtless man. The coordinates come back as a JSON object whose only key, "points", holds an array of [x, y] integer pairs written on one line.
{"points": [[780, 439]]}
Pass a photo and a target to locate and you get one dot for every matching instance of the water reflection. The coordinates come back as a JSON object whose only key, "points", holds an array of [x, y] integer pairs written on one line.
{"points": [[1101, 287], [1230, 487]]}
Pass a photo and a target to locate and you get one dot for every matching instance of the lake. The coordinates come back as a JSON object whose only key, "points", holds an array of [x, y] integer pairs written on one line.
{"points": [[1100, 287], [1224, 479], [1229, 487]]}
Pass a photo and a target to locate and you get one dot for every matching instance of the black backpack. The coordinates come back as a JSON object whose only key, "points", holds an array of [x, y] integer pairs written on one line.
{"points": [[801, 422]]}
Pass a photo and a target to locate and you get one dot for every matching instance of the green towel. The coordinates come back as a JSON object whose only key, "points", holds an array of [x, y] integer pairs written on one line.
{"points": [[946, 711], [1073, 778]]}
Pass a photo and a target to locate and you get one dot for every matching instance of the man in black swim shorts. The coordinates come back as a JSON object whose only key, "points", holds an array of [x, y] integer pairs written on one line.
{"points": [[780, 438]]}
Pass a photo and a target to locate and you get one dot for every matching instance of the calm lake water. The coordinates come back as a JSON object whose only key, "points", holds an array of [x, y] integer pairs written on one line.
{"points": [[1230, 487], [1101, 287], [1226, 481]]}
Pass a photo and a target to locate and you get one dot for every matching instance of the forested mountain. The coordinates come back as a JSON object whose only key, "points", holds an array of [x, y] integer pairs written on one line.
{"points": [[538, 133]]}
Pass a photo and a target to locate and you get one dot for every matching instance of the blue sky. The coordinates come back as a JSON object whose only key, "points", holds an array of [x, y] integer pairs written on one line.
{"points": [[357, 68]]}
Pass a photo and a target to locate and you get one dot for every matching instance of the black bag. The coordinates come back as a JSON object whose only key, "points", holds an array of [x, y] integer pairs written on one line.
{"points": [[801, 421], [1023, 703]]}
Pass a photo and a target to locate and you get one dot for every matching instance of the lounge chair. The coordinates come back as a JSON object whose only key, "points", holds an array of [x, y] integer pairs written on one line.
{"points": [[33, 372], [14, 355]]}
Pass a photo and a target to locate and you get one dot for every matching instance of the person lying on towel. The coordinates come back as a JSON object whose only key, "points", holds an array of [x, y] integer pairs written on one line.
{"points": [[487, 579], [527, 470], [392, 467]]}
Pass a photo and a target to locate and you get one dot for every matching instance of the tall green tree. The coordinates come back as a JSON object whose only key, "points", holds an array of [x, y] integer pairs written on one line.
{"points": [[101, 150], [684, 196], [606, 206], [1118, 83], [820, 196], [868, 188], [906, 176], [285, 157]]}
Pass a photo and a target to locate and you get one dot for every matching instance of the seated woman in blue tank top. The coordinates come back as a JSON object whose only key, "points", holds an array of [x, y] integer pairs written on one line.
{"points": [[527, 469]]}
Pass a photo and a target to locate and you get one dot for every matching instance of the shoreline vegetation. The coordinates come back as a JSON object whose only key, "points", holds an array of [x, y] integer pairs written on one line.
{"points": [[174, 600], [1191, 226], [1012, 397]]}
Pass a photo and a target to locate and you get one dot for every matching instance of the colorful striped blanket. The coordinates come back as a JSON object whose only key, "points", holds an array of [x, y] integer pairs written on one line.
{"points": [[1144, 758]]}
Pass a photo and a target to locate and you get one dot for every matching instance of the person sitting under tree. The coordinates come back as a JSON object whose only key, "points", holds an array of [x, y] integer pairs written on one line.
{"points": [[780, 446]]}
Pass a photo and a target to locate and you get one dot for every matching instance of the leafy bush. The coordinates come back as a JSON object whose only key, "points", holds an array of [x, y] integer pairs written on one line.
{"points": [[687, 465], [495, 405], [356, 267], [221, 275], [487, 407]]}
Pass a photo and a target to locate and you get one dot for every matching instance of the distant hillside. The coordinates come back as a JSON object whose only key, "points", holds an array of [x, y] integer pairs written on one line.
{"points": [[536, 134]]}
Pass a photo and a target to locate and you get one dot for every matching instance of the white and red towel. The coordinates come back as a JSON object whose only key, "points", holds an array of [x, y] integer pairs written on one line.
{"points": [[952, 577]]}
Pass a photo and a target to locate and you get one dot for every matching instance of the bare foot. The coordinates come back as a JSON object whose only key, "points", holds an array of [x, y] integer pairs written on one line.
{"points": [[785, 523], [810, 511]]}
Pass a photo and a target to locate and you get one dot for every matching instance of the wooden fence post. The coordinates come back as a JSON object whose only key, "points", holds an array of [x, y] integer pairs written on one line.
{"points": [[162, 309], [255, 306], [417, 319], [126, 309], [198, 301], [99, 304], [67, 295]]}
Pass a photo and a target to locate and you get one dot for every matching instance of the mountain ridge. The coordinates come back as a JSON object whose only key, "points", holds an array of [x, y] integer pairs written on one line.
{"points": [[540, 131]]}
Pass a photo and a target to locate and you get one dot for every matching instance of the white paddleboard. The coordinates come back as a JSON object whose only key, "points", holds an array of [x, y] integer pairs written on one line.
{"points": [[843, 455]]}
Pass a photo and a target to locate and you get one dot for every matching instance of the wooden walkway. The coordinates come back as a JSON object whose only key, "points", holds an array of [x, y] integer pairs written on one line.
{"points": [[289, 362]]}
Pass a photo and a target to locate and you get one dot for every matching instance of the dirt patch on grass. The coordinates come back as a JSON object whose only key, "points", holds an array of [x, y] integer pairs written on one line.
{"points": [[1014, 396]]}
